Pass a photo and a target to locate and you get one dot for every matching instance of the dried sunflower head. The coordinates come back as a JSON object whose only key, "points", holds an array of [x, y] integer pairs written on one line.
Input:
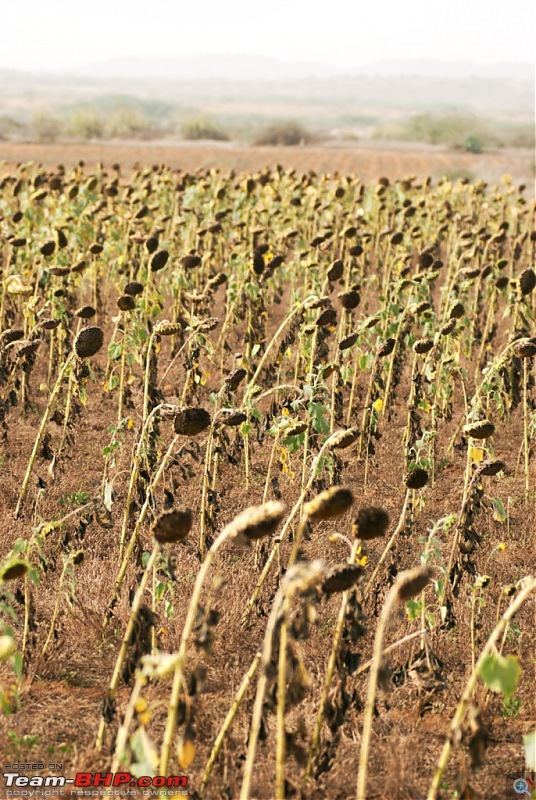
{"points": [[416, 479], [126, 303], [173, 525], [422, 346], [348, 341], [386, 348], [235, 378], [480, 430], [166, 328], [491, 467], [343, 439], [191, 420], [232, 418], [525, 348], [412, 581], [328, 504], [350, 299], [341, 578], [88, 341], [257, 521], [158, 260], [527, 281], [296, 429], [371, 523], [336, 270]]}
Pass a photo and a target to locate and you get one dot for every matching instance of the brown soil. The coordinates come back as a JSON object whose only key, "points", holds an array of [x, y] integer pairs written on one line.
{"points": [[368, 160]]}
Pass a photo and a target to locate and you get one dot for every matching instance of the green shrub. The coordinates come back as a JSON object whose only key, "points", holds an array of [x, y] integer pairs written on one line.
{"points": [[127, 122], [286, 133], [86, 123], [9, 127], [195, 128], [465, 131], [46, 127]]}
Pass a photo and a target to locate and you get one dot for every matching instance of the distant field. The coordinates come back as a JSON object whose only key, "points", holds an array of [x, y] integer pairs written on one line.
{"points": [[369, 161]]}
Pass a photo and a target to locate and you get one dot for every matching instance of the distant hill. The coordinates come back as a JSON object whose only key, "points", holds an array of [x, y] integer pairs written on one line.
{"points": [[427, 68], [240, 90], [207, 67], [255, 68]]}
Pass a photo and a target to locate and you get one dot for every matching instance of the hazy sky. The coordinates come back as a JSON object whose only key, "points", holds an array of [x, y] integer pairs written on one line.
{"points": [[64, 33]]}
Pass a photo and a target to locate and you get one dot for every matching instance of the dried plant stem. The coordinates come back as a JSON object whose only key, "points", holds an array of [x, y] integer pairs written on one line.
{"points": [[136, 603], [391, 599], [38, 439], [281, 696], [275, 549], [526, 444], [229, 719], [467, 486], [461, 709], [67, 563], [141, 519], [122, 733], [284, 324], [133, 476], [386, 650], [181, 653], [330, 670], [147, 377], [390, 543]]}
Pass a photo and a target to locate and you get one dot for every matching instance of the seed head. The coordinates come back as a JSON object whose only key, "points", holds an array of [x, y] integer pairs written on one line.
{"points": [[327, 317], [14, 570], [412, 581], [525, 348], [126, 303], [190, 261], [491, 467], [371, 523], [133, 288], [88, 342], [158, 260], [48, 248], [386, 348], [423, 345], [49, 324], [341, 578], [173, 525], [85, 312], [166, 328], [448, 327], [416, 479], [191, 420], [350, 299], [480, 430], [328, 504], [258, 521], [527, 281], [208, 324], [232, 418], [456, 311], [295, 430], [343, 439], [235, 378], [336, 270]]}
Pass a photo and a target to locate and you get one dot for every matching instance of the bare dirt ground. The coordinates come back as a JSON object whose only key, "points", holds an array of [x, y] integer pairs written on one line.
{"points": [[368, 160]]}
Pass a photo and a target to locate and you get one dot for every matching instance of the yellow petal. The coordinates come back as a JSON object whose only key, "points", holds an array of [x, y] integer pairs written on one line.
{"points": [[185, 752]]}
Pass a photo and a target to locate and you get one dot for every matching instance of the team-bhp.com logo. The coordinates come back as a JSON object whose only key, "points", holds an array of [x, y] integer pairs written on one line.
{"points": [[94, 784]]}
